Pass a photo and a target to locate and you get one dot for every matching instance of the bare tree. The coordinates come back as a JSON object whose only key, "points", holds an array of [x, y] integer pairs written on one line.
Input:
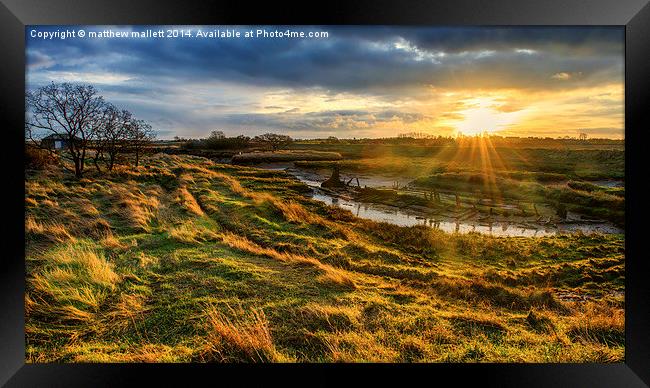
{"points": [[72, 112], [140, 136], [275, 141], [217, 135], [111, 137]]}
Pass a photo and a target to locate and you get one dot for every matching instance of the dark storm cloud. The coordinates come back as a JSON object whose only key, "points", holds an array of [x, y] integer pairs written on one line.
{"points": [[370, 60], [600, 41], [201, 84]]}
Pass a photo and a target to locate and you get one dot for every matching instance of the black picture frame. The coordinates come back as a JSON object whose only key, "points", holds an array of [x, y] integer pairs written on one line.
{"points": [[633, 14]]}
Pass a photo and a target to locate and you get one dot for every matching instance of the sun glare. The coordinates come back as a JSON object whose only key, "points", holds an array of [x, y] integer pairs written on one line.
{"points": [[483, 115]]}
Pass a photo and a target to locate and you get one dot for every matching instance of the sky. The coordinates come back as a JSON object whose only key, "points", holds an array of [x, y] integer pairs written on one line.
{"points": [[358, 81]]}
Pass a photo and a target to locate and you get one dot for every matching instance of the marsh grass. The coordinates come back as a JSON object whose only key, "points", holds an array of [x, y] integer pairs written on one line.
{"points": [[244, 338], [191, 260], [285, 156]]}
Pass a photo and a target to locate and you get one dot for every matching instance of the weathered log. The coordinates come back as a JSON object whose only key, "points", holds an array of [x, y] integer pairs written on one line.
{"points": [[334, 181]]}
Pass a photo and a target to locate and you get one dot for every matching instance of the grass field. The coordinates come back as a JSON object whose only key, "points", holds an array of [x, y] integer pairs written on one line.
{"points": [[284, 156], [478, 155], [186, 260]]}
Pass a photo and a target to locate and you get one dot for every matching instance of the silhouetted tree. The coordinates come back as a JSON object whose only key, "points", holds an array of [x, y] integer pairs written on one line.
{"points": [[112, 135], [72, 112], [273, 140], [140, 137], [217, 135], [218, 141]]}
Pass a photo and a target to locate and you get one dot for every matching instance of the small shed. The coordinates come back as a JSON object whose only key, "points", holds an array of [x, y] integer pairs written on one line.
{"points": [[55, 141]]}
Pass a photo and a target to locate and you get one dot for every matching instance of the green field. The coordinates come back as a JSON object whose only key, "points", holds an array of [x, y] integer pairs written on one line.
{"points": [[553, 163], [186, 260]]}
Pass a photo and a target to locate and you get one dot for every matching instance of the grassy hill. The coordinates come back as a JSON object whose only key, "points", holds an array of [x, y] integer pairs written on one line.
{"points": [[187, 260]]}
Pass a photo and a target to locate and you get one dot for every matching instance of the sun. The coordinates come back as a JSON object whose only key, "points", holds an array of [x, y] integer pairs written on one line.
{"points": [[483, 115]]}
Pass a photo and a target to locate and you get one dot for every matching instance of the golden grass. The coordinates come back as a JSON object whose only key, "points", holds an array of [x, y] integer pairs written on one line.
{"points": [[145, 261], [598, 323], [97, 352], [329, 317], [76, 274], [292, 211], [72, 289], [329, 274], [232, 183], [72, 313], [246, 338], [84, 206], [295, 212], [187, 200], [286, 155], [98, 269], [125, 312], [108, 240], [55, 232], [119, 286], [134, 206], [353, 346], [190, 233]]}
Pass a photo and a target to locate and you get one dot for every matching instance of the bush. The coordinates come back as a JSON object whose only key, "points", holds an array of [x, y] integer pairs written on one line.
{"points": [[218, 143], [227, 143], [38, 159]]}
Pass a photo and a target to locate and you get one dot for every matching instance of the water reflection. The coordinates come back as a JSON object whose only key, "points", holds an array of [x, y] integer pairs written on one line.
{"points": [[404, 217]]}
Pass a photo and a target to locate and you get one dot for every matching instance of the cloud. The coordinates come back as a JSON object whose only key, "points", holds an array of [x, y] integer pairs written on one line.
{"points": [[394, 75], [565, 76], [354, 59], [37, 60]]}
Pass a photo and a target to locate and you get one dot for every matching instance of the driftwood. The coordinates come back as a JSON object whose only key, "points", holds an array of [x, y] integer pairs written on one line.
{"points": [[335, 180]]}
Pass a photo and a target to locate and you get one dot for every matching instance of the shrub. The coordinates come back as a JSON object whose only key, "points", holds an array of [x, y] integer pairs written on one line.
{"points": [[38, 159]]}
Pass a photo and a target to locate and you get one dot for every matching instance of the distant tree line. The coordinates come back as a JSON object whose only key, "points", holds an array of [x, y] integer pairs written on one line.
{"points": [[496, 140], [216, 141], [219, 141], [90, 128]]}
